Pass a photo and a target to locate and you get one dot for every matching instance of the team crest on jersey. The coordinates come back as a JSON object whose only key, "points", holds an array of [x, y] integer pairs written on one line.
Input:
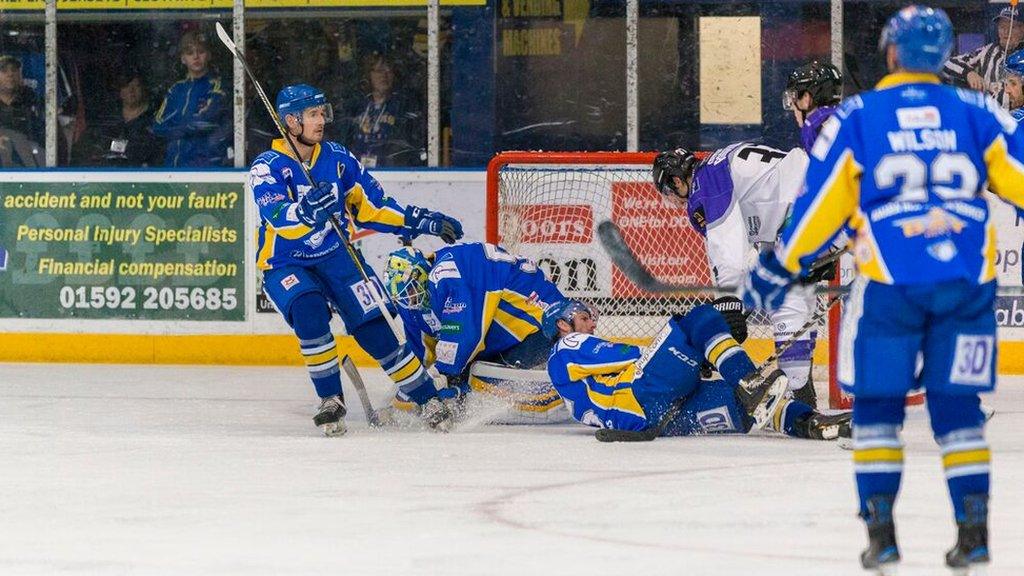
{"points": [[260, 174], [911, 93]]}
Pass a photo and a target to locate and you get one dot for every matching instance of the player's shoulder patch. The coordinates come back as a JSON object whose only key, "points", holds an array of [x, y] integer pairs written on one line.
{"points": [[572, 341], [848, 106], [444, 269], [336, 148]]}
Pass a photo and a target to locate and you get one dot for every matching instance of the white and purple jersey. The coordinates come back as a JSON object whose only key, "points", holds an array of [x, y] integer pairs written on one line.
{"points": [[741, 197], [812, 125]]}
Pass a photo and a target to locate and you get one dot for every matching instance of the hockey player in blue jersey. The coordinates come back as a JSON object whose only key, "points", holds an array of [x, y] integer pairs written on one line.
{"points": [[904, 165], [607, 384], [306, 268], [812, 93], [469, 302]]}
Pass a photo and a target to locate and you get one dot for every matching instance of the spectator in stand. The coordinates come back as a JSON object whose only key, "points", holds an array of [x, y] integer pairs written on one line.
{"points": [[195, 117], [387, 131], [21, 118], [124, 135], [982, 69]]}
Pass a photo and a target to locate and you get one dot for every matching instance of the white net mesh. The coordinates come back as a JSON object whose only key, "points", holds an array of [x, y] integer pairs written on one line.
{"points": [[550, 212]]}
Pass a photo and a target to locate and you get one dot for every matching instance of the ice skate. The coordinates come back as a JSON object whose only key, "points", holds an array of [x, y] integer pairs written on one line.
{"points": [[329, 416], [969, 556], [818, 426], [763, 397], [882, 554], [437, 415]]}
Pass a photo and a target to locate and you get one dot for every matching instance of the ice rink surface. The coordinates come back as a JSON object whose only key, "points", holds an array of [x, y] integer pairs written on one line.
{"points": [[217, 470]]}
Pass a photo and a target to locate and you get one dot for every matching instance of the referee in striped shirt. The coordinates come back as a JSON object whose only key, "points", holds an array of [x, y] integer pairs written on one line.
{"points": [[981, 69]]}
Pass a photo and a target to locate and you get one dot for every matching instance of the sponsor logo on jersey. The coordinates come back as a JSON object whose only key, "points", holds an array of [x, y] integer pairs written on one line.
{"points": [[556, 224], [699, 220], [288, 281], [572, 341], [446, 352], [270, 198], [452, 307], [753, 225], [451, 328], [260, 174], [287, 173], [442, 270], [936, 222]]}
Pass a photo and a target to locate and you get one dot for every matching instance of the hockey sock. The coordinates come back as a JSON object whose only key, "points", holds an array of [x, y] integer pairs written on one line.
{"points": [[788, 418], [877, 450], [707, 330], [398, 361], [958, 425], [310, 318], [795, 361]]}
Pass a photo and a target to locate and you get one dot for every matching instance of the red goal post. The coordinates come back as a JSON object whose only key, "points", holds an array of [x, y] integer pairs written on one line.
{"points": [[547, 205]]}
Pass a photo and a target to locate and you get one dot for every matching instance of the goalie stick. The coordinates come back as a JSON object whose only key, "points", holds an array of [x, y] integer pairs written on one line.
{"points": [[377, 297], [624, 258], [649, 434]]}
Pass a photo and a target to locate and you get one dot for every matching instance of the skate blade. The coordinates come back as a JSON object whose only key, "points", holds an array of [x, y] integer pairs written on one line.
{"points": [[845, 443], [888, 569], [334, 429], [775, 394]]}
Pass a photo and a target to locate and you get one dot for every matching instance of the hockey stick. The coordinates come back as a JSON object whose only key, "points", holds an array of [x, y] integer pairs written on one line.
{"points": [[649, 434], [370, 285], [364, 398], [624, 258]]}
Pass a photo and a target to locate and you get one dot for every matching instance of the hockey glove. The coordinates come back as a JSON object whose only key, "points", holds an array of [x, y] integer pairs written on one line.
{"points": [[731, 308], [820, 270], [317, 205], [767, 284], [422, 221]]}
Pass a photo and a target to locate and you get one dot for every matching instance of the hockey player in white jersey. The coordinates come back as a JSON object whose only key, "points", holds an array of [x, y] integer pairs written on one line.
{"points": [[738, 198]]}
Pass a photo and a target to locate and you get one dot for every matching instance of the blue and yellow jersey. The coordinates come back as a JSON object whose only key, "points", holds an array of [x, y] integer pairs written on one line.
{"points": [[904, 165], [277, 183], [595, 377], [485, 300], [195, 118]]}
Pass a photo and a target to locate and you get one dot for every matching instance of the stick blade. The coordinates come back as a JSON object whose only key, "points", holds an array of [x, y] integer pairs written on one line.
{"points": [[225, 38], [615, 245], [610, 435]]}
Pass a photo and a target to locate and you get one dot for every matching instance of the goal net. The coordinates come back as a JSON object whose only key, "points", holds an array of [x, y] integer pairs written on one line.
{"points": [[547, 205]]}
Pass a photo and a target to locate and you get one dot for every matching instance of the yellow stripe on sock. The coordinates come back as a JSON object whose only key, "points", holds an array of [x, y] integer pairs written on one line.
{"points": [[878, 455], [720, 348], [407, 370], [969, 457], [326, 355]]}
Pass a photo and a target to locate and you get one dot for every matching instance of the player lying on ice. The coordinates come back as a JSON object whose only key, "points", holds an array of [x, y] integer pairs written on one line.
{"points": [[614, 385], [474, 302]]}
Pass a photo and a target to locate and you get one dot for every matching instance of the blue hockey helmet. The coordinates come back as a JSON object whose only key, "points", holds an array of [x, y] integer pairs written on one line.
{"points": [[923, 38], [562, 310], [406, 277], [1014, 63], [296, 98]]}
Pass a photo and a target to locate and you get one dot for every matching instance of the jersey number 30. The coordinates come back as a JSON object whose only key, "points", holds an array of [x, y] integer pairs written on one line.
{"points": [[952, 176]]}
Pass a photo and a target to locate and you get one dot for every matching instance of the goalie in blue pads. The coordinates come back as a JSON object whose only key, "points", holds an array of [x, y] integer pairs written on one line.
{"points": [[470, 302], [606, 384]]}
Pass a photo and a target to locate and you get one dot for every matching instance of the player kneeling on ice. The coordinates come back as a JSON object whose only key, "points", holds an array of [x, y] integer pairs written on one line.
{"points": [[471, 302], [618, 386]]}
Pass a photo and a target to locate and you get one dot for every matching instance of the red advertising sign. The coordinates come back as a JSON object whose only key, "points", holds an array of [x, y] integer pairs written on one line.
{"points": [[660, 235], [555, 223]]}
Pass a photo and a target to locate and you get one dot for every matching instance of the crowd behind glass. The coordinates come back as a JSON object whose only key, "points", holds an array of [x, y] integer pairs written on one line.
{"points": [[158, 93]]}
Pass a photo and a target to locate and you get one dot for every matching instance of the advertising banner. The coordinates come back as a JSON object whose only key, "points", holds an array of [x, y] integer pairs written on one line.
{"points": [[109, 250]]}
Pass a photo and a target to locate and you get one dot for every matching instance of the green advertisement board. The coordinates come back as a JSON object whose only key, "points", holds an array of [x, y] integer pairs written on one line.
{"points": [[155, 251]]}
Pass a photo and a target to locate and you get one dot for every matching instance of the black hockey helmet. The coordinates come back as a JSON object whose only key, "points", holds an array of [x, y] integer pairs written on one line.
{"points": [[824, 82], [679, 162]]}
